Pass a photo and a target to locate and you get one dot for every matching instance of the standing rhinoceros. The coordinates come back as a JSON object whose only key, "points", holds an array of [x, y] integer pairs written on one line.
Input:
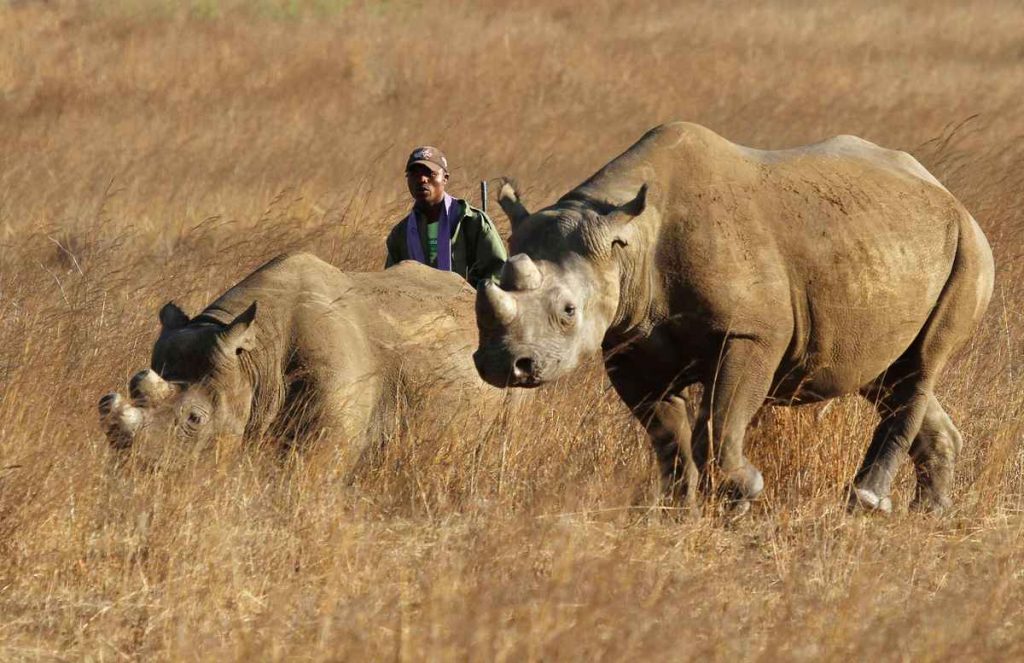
{"points": [[785, 276], [299, 348]]}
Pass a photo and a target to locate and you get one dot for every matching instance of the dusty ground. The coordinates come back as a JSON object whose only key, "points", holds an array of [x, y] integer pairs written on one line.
{"points": [[152, 150]]}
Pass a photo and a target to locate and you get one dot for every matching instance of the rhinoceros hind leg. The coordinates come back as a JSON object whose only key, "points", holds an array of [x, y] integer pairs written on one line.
{"points": [[912, 420], [934, 453], [904, 394], [902, 400], [922, 427]]}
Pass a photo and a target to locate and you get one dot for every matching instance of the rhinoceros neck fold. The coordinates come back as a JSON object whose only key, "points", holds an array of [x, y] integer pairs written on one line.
{"points": [[263, 368], [637, 285]]}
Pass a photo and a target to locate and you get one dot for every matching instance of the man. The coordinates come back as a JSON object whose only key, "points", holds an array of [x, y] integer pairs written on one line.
{"points": [[441, 231]]}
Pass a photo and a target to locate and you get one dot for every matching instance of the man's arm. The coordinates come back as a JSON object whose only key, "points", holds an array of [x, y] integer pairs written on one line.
{"points": [[392, 245], [490, 253]]}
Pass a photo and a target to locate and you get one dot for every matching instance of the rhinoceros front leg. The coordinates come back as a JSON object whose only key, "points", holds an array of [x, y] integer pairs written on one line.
{"points": [[666, 418], [668, 426], [345, 410], [732, 396]]}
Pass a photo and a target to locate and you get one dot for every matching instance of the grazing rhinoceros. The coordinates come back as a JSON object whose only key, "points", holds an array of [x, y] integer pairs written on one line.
{"points": [[785, 276], [300, 348]]}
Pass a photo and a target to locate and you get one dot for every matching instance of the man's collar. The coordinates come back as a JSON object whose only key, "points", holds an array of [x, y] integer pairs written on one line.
{"points": [[446, 206]]}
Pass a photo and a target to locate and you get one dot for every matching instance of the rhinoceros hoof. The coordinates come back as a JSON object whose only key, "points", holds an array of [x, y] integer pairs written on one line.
{"points": [[732, 509], [862, 499], [744, 484], [737, 509], [756, 487], [931, 504]]}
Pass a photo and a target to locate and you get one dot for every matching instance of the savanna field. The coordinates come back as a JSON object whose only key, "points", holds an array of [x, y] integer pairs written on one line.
{"points": [[156, 149]]}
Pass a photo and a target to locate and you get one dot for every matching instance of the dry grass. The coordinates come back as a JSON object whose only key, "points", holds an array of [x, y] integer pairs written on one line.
{"points": [[152, 149]]}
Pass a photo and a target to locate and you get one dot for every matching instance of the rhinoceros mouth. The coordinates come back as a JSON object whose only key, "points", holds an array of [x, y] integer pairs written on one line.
{"points": [[509, 381], [527, 382], [504, 372]]}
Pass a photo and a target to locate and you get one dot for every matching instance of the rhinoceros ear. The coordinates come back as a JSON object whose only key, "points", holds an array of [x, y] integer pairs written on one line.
{"points": [[172, 317], [510, 203], [239, 336], [620, 218], [635, 207]]}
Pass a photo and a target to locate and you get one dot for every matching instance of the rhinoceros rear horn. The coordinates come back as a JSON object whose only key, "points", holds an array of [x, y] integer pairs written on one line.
{"points": [[494, 305], [520, 273], [239, 335], [147, 388]]}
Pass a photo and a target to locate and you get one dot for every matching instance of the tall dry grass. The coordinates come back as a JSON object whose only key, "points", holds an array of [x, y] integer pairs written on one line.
{"points": [[152, 150]]}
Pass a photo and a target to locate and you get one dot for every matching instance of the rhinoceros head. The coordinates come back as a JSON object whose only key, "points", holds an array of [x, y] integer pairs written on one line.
{"points": [[197, 388], [558, 294]]}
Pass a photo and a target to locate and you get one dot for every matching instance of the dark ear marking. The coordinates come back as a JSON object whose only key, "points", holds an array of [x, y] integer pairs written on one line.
{"points": [[247, 316], [172, 317], [637, 206], [623, 215], [238, 336]]}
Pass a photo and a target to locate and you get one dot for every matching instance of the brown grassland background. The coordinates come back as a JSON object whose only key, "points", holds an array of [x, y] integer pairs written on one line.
{"points": [[159, 149]]}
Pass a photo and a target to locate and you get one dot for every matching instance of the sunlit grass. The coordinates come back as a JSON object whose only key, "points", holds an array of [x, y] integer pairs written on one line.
{"points": [[152, 151]]}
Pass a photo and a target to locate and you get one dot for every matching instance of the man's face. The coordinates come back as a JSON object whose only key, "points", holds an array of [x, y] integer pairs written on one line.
{"points": [[425, 185]]}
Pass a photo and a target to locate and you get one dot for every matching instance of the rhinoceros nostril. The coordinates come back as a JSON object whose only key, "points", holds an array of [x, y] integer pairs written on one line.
{"points": [[523, 367]]}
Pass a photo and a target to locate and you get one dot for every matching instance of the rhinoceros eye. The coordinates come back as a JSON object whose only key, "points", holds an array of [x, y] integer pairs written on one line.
{"points": [[195, 419]]}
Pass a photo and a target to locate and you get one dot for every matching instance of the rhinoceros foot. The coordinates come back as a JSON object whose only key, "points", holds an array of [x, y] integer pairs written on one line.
{"points": [[733, 510], [865, 500], [925, 502]]}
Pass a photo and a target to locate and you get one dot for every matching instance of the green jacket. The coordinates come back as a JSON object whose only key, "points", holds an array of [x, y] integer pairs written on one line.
{"points": [[478, 252]]}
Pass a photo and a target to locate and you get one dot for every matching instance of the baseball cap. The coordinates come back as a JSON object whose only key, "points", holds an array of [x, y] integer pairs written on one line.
{"points": [[431, 157]]}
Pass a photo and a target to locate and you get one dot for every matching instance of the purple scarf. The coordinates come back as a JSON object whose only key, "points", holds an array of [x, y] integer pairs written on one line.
{"points": [[444, 236]]}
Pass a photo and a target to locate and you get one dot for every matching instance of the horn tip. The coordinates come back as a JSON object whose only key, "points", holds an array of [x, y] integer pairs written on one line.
{"points": [[108, 402]]}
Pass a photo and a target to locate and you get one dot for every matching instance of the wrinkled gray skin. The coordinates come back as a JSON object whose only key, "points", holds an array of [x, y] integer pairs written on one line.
{"points": [[787, 276], [300, 349]]}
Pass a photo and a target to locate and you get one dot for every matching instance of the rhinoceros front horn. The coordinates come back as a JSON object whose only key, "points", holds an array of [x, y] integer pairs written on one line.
{"points": [[148, 388], [520, 273], [495, 305], [120, 419]]}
